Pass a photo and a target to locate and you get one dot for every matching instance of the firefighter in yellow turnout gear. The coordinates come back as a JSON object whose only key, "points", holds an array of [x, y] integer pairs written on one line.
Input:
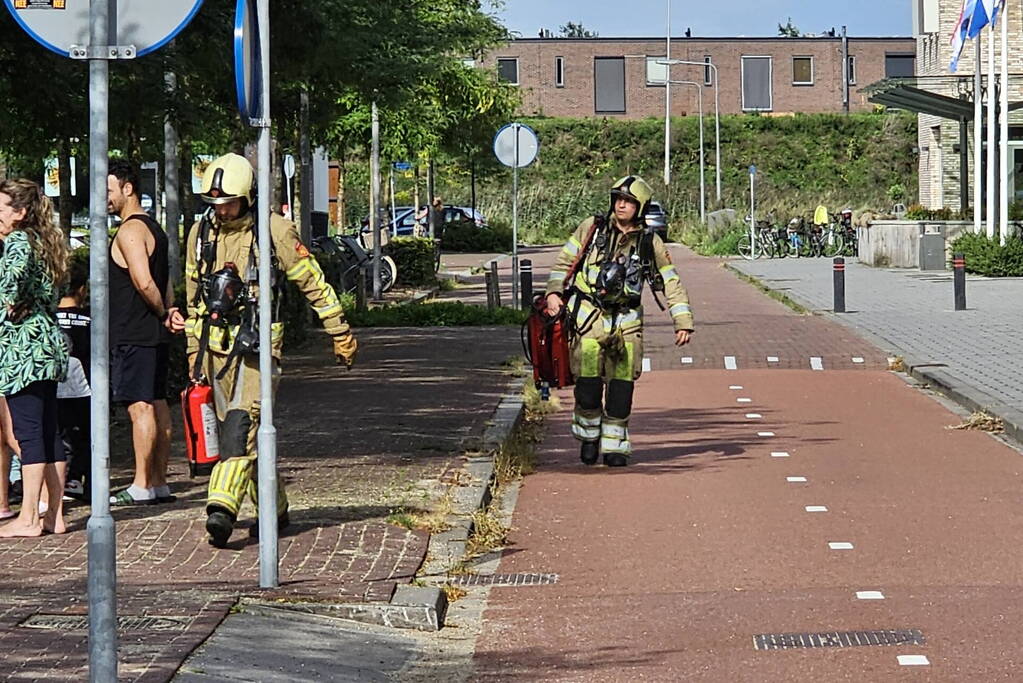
{"points": [[221, 272], [599, 276]]}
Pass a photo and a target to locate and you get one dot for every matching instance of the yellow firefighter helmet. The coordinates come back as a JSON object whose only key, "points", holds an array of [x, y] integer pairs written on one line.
{"points": [[635, 188], [228, 178]]}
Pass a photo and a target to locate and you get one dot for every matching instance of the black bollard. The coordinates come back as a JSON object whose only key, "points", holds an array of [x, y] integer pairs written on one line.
{"points": [[526, 283], [839, 278], [489, 279], [959, 280]]}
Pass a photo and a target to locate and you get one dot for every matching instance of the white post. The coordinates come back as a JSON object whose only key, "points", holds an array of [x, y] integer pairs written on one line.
{"points": [[717, 133], [667, 103], [992, 152], [978, 135], [374, 209], [516, 128], [267, 433], [703, 172], [1004, 161]]}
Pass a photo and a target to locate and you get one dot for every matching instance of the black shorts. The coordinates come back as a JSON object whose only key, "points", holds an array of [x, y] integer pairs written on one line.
{"points": [[34, 418], [138, 373]]}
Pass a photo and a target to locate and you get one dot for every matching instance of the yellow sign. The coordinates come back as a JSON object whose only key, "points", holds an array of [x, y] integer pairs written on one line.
{"points": [[40, 4]]}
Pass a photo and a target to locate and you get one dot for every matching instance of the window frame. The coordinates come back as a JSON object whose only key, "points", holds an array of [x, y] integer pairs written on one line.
{"points": [[742, 81], [508, 59], [803, 84], [708, 72], [625, 87], [559, 72], [852, 70], [902, 55], [652, 59]]}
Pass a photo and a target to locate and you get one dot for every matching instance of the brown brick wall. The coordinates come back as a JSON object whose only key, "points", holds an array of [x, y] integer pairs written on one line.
{"points": [[536, 59]]}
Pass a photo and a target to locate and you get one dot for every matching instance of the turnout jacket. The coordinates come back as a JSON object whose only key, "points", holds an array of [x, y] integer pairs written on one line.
{"points": [[235, 240], [623, 245]]}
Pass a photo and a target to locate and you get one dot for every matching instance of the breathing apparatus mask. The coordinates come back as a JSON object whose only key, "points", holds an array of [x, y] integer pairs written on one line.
{"points": [[223, 292]]}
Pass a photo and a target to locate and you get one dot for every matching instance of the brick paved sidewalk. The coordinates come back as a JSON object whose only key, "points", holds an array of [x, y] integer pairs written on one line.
{"points": [[352, 448]]}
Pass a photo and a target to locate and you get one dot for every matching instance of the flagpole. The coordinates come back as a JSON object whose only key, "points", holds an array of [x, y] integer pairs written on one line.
{"points": [[991, 123], [1003, 169], [978, 137]]}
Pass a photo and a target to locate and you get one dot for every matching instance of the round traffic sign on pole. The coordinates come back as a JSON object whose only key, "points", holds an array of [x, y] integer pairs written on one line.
{"points": [[521, 155], [60, 24], [289, 166], [248, 60]]}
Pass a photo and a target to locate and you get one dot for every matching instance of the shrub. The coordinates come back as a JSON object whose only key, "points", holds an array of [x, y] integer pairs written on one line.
{"points": [[435, 314], [465, 236], [414, 257], [986, 256], [916, 212]]}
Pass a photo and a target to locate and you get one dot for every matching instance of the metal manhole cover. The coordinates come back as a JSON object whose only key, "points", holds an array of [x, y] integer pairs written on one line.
{"points": [[788, 641], [504, 579], [80, 622]]}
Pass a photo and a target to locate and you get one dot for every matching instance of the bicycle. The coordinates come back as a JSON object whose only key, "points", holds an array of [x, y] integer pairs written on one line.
{"points": [[850, 240], [353, 256], [765, 237]]}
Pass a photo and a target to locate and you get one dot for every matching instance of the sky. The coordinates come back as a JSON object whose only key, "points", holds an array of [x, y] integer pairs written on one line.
{"points": [[722, 18]]}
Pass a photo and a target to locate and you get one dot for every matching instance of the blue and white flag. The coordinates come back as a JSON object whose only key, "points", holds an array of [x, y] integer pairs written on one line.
{"points": [[985, 12], [961, 30]]}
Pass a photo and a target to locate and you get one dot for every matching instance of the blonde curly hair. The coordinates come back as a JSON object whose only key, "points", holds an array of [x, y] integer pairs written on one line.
{"points": [[47, 240]]}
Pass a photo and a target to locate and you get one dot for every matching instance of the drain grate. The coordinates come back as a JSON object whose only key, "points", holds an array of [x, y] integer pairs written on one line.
{"points": [[788, 641], [504, 579], [80, 622]]}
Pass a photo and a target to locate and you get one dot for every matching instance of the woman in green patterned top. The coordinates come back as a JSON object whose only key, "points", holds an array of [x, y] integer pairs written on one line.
{"points": [[33, 350]]}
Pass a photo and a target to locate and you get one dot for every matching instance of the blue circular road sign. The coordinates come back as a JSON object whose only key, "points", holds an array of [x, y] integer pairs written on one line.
{"points": [[248, 60]]}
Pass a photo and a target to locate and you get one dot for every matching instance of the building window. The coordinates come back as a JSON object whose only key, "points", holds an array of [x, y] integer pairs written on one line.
{"points": [[609, 85], [656, 74], [802, 71], [898, 65], [559, 72], [852, 70], [508, 69], [757, 92], [708, 73]]}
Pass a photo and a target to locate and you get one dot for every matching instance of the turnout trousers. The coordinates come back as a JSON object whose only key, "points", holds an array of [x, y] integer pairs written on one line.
{"points": [[237, 398], [607, 359]]}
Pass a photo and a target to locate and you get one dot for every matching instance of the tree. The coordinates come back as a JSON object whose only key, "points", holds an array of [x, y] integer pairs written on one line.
{"points": [[574, 30], [789, 30]]}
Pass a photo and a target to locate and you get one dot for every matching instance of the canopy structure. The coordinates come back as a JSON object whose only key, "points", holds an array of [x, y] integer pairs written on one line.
{"points": [[909, 94]]}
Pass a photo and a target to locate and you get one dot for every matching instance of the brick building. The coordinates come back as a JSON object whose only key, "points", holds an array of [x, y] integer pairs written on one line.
{"points": [[942, 156], [620, 77]]}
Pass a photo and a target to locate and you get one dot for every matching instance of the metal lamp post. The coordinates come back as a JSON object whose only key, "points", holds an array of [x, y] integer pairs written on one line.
{"points": [[717, 116], [703, 192]]}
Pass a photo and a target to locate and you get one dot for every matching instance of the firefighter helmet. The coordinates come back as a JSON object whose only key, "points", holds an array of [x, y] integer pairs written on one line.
{"points": [[634, 188], [228, 178]]}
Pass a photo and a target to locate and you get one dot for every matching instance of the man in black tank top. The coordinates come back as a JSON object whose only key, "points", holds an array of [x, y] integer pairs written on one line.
{"points": [[142, 315]]}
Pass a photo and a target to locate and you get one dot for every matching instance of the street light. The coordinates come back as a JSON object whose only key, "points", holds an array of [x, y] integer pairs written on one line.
{"points": [[703, 193], [717, 116]]}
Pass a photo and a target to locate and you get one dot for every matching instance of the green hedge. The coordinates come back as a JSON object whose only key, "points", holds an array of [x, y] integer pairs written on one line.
{"points": [[435, 314], [985, 256], [465, 236], [414, 257]]}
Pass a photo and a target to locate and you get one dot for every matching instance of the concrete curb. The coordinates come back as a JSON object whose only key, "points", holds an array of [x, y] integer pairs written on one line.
{"points": [[934, 376], [474, 490]]}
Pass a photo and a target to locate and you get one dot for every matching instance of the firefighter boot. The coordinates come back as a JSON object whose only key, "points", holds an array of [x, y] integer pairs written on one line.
{"points": [[219, 525], [589, 452]]}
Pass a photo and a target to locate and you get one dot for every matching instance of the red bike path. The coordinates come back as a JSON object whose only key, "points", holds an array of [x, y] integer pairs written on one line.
{"points": [[670, 568]]}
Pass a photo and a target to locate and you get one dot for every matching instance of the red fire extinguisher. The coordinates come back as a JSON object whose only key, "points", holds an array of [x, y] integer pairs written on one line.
{"points": [[201, 444]]}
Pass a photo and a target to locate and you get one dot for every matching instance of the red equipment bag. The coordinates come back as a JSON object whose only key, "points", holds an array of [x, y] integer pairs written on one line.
{"points": [[546, 345], [202, 446]]}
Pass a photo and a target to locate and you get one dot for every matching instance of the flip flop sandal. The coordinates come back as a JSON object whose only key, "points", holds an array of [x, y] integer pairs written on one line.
{"points": [[124, 499], [8, 514]]}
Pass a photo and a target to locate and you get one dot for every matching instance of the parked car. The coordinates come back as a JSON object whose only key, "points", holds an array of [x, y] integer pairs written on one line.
{"points": [[404, 222], [657, 219]]}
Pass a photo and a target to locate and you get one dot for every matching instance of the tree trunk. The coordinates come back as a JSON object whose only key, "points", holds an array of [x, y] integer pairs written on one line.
{"points": [[64, 179], [342, 204]]}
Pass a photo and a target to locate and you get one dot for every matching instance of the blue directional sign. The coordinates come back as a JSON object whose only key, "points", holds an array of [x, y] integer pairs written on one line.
{"points": [[248, 60], [402, 165]]}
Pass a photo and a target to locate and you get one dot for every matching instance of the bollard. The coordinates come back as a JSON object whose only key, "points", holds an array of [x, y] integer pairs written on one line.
{"points": [[526, 283], [839, 278], [959, 280], [497, 283], [489, 278], [360, 290]]}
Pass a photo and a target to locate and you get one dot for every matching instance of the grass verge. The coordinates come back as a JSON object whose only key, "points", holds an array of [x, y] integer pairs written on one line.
{"points": [[772, 293]]}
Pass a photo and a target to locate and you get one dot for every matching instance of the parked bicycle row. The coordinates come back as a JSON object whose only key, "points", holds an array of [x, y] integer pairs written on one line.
{"points": [[825, 234]]}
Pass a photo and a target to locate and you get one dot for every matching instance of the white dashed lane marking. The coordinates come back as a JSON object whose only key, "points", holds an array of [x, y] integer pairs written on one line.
{"points": [[796, 480], [840, 545], [730, 363], [753, 416], [687, 360], [765, 434], [772, 359], [735, 387], [816, 363], [913, 660], [815, 508], [744, 400], [646, 365], [857, 360], [780, 454], [869, 595]]}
